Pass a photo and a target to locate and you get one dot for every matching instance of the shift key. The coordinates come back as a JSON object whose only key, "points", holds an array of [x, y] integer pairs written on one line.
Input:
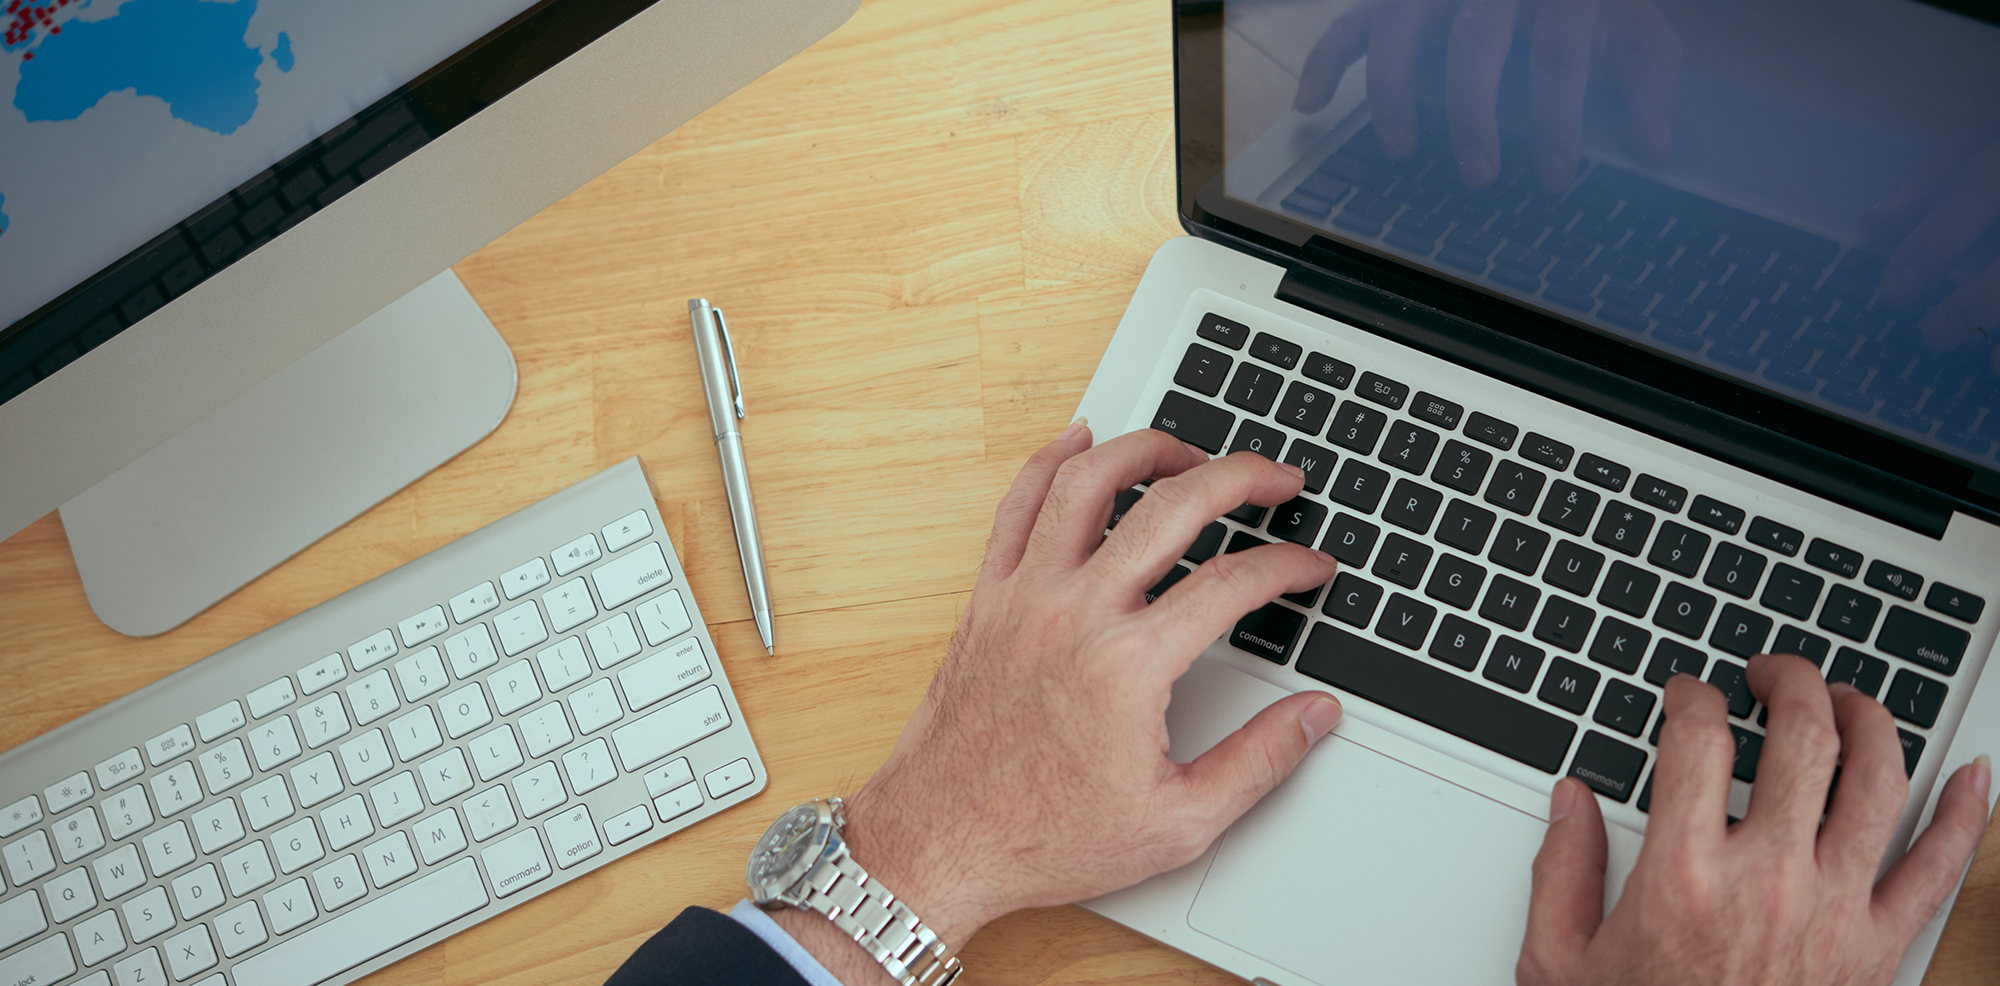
{"points": [[632, 576], [666, 730]]}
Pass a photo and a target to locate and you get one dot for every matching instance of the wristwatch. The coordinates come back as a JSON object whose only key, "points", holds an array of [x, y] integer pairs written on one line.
{"points": [[802, 862]]}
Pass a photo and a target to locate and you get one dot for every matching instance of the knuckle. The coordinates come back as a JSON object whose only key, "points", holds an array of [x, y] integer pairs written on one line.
{"points": [[1702, 737]]}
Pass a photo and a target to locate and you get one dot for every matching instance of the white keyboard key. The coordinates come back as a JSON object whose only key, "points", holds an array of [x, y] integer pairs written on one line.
{"points": [[390, 859], [677, 802], [613, 640], [267, 803], [729, 777], [126, 812], [489, 813], [389, 920], [423, 626], [628, 825], [175, 790], [140, 969], [246, 869], [514, 687], [45, 961], [471, 652], [422, 674], [372, 697], [168, 849], [445, 776], [224, 767], [198, 892], [474, 601], [372, 650], [366, 757], [576, 554], [111, 772], [169, 745], [240, 929], [516, 862], [595, 706], [569, 605], [563, 665], [668, 776], [316, 780], [78, 836], [621, 533], [217, 826], [274, 743], [290, 907], [69, 895], [19, 815], [396, 798], [415, 733], [28, 858], [297, 845], [438, 836], [545, 729], [190, 952], [589, 766], [96, 939], [339, 883], [665, 673], [520, 628], [219, 721], [147, 915], [668, 729], [664, 618], [495, 753], [572, 837], [531, 575], [624, 579], [538, 789], [323, 720], [346, 822], [322, 673], [271, 698], [465, 710], [21, 918], [119, 872], [65, 794]]}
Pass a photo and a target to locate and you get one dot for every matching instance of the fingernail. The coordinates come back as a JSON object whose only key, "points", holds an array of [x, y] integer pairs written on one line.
{"points": [[1319, 717], [1982, 775], [1075, 428], [1563, 801], [1839, 689], [1294, 470]]}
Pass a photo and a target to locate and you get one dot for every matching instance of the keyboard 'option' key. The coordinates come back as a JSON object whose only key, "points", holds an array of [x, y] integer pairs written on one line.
{"points": [[573, 837]]}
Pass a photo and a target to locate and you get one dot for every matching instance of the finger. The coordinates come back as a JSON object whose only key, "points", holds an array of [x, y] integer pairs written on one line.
{"points": [[1392, 58], [1969, 206], [1225, 781], [1071, 520], [1207, 604], [1159, 528], [1014, 519], [1345, 40], [1967, 314], [1559, 71], [1916, 886], [1872, 789], [1800, 746], [1649, 77], [1567, 903], [1918, 190], [1691, 781], [1481, 34]]}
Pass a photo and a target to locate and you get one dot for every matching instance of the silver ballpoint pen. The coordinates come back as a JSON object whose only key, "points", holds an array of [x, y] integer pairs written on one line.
{"points": [[725, 408]]}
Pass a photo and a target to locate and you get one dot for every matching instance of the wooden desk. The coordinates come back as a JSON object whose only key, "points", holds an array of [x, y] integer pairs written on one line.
{"points": [[924, 230]]}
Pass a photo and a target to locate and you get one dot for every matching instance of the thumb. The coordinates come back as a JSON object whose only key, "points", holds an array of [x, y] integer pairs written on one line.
{"points": [[1567, 904], [1249, 762]]}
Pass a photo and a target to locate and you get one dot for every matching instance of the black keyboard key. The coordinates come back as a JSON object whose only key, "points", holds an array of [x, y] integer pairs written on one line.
{"points": [[1684, 610], [1459, 642], [1462, 467], [1864, 671], [1382, 390], [1825, 555], [1955, 602], [1220, 330], [1482, 427], [1811, 646], [1437, 697], [1353, 600], [1657, 492], [1406, 621], [1207, 543], [1304, 600], [1749, 749], [1350, 540], [1360, 486], [1514, 663], [1734, 570], [1437, 410], [1892, 580], [1243, 541], [1123, 504], [1679, 549], [1203, 370], [1298, 520], [1402, 561], [1624, 707], [1568, 507], [1918, 639], [1305, 408], [1915, 699], [1564, 624], [1671, 657], [1849, 613], [1455, 581], [1710, 512], [1254, 388], [1546, 451], [1412, 506], [1740, 631], [1356, 427], [1629, 589], [1275, 351], [1573, 567], [1255, 436], [1600, 471], [1792, 591], [1335, 373], [1314, 461], [1913, 750], [1623, 528], [1569, 686], [1269, 632], [1610, 768], [1510, 603], [1465, 527], [1768, 533], [1249, 515], [1620, 645], [1729, 678], [1409, 447], [1515, 487], [1519, 547], [1203, 426], [1174, 574]]}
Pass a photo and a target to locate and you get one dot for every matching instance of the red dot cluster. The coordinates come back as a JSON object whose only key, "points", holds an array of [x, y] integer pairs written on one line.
{"points": [[23, 18]]}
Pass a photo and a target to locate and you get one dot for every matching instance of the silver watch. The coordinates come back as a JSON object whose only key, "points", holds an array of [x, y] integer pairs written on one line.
{"points": [[802, 862]]}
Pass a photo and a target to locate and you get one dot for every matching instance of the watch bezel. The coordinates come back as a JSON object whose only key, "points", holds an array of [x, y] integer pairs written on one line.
{"points": [[774, 890]]}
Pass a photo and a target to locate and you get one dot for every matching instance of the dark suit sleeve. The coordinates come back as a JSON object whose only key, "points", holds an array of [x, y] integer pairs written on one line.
{"points": [[704, 948]]}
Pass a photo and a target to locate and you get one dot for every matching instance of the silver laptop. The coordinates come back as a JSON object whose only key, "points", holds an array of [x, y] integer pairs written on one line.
{"points": [[1631, 409]]}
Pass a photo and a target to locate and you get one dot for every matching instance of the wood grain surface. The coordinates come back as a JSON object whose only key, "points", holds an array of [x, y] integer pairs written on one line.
{"points": [[923, 230]]}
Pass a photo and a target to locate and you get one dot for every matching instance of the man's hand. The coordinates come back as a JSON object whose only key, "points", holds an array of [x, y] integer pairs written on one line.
{"points": [[1035, 770], [1940, 211], [1778, 898]]}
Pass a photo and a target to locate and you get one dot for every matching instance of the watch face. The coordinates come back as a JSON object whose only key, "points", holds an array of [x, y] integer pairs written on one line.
{"points": [[782, 854]]}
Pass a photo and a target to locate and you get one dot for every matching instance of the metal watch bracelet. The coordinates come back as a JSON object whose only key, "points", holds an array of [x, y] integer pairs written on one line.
{"points": [[866, 911]]}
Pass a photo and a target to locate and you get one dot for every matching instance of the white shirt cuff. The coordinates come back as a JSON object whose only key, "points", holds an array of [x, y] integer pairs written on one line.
{"points": [[760, 924]]}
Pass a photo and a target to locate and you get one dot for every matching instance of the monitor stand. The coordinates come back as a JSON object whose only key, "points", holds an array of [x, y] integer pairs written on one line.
{"points": [[290, 460]]}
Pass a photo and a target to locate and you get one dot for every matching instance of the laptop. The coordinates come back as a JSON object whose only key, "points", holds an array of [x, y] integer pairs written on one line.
{"points": [[1625, 411]]}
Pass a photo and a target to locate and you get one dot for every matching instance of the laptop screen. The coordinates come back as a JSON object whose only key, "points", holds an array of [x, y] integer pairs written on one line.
{"points": [[1800, 196]]}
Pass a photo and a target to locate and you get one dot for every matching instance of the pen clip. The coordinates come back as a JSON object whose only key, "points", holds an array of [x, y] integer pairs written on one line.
{"points": [[729, 356]]}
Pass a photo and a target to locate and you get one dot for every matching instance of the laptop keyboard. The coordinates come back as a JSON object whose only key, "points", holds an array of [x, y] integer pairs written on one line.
{"points": [[1505, 584]]}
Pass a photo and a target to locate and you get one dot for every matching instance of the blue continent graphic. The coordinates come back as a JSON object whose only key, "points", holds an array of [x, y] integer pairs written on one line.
{"points": [[188, 53], [281, 56]]}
